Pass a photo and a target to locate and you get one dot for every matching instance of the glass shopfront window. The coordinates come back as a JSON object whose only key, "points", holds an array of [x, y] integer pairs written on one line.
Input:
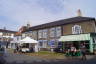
{"points": [[43, 43]]}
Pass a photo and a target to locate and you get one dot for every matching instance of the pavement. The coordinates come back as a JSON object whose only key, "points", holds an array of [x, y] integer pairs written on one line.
{"points": [[14, 58]]}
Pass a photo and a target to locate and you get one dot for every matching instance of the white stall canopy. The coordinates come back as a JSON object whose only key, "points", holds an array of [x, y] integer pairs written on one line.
{"points": [[28, 40]]}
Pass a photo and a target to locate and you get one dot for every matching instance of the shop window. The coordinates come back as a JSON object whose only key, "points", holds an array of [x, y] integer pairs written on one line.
{"points": [[40, 43], [51, 43], [44, 43]]}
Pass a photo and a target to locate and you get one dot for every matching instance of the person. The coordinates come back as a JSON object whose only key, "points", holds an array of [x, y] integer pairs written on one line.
{"points": [[20, 49], [17, 49], [83, 51], [31, 49], [3, 49], [72, 50]]}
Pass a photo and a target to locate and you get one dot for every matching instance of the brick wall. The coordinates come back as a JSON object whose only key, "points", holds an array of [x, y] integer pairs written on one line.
{"points": [[86, 27]]}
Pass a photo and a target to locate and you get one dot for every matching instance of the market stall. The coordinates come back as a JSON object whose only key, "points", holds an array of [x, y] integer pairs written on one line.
{"points": [[27, 43], [89, 40]]}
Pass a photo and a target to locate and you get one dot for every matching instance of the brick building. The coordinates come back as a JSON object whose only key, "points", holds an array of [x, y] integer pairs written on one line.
{"points": [[50, 33]]}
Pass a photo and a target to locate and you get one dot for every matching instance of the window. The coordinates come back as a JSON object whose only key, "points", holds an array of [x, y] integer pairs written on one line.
{"points": [[30, 33], [44, 43], [58, 31], [52, 32], [45, 31], [51, 42], [40, 43], [34, 35], [76, 29], [40, 32]]}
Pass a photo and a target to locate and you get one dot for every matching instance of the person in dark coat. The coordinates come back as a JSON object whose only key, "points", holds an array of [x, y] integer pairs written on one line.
{"points": [[17, 49], [83, 51]]}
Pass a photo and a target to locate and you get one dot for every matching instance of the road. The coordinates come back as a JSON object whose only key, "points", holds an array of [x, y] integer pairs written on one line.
{"points": [[11, 58]]}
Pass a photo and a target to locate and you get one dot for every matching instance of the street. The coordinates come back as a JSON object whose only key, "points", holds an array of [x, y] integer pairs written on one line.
{"points": [[17, 58]]}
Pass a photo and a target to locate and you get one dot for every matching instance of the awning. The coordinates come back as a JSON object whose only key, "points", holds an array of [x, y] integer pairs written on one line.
{"points": [[28, 40], [81, 37]]}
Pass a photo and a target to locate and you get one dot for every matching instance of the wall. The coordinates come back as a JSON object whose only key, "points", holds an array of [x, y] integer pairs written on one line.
{"points": [[86, 27]]}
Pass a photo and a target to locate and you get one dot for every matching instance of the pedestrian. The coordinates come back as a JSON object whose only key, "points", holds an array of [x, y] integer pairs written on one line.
{"points": [[83, 51], [72, 50], [17, 49], [3, 50], [20, 49], [31, 49]]}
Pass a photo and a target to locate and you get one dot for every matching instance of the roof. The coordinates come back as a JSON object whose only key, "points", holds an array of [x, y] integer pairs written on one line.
{"points": [[62, 22], [9, 31]]}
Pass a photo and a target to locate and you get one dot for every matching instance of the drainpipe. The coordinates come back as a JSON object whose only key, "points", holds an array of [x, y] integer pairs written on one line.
{"points": [[62, 31]]}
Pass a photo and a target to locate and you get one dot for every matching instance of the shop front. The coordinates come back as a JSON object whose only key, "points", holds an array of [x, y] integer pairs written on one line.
{"points": [[88, 39]]}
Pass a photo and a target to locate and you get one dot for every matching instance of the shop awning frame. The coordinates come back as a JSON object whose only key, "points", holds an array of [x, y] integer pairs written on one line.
{"points": [[80, 37]]}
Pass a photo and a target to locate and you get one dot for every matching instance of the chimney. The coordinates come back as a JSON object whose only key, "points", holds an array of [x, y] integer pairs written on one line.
{"points": [[28, 25], [79, 13]]}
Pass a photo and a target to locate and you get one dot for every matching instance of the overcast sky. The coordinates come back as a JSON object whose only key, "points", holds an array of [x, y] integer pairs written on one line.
{"points": [[16, 13]]}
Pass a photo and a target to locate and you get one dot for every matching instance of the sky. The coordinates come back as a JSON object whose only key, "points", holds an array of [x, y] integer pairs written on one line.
{"points": [[17, 13]]}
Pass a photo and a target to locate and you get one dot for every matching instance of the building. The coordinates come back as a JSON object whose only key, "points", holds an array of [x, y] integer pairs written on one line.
{"points": [[6, 36], [67, 30], [22, 32]]}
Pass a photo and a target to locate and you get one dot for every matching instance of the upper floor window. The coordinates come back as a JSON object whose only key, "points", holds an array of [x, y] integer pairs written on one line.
{"points": [[58, 31], [45, 33], [76, 29], [52, 32], [40, 32], [34, 35]]}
